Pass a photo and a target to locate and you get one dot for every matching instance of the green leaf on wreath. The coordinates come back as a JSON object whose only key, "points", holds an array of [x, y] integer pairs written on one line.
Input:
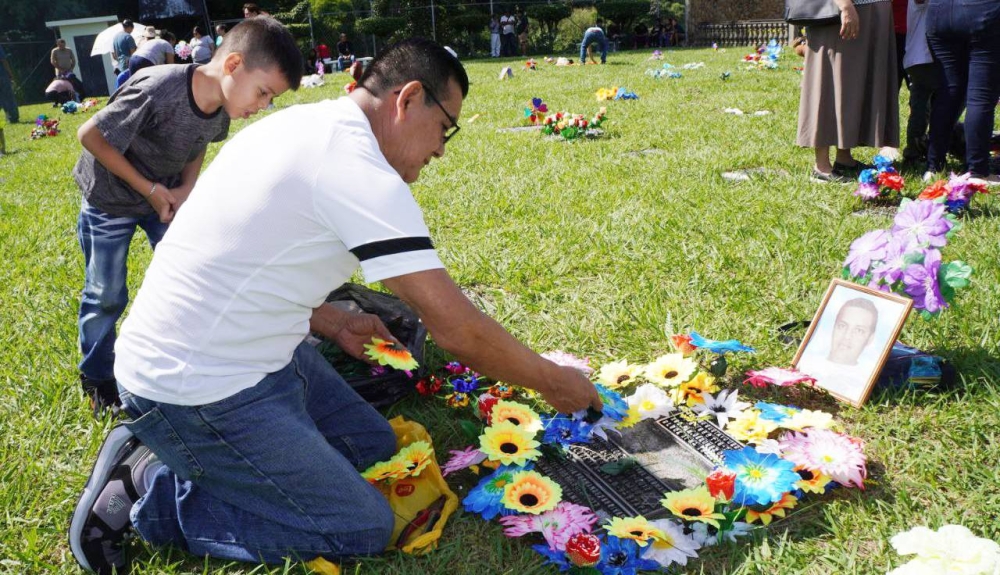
{"points": [[619, 467], [470, 429], [955, 274]]}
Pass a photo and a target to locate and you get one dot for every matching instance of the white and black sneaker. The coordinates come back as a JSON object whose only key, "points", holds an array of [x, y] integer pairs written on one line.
{"points": [[101, 523]]}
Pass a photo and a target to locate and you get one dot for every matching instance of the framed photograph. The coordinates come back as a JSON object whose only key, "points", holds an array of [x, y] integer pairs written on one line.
{"points": [[849, 339]]}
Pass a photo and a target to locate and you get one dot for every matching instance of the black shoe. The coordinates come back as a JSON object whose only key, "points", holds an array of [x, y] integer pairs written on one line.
{"points": [[851, 171], [833, 177], [103, 396], [101, 523]]}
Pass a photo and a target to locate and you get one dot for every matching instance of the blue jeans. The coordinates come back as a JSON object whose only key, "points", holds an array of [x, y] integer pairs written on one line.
{"points": [[105, 239], [963, 36], [268, 473], [589, 38]]}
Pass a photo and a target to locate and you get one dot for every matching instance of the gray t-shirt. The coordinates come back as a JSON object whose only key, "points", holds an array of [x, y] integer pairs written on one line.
{"points": [[154, 121], [155, 51]]}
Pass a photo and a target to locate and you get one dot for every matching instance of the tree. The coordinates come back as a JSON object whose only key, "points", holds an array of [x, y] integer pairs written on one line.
{"points": [[549, 16]]}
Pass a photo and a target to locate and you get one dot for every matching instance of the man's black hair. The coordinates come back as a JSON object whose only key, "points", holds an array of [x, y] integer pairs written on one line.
{"points": [[265, 43], [126, 23], [415, 59]]}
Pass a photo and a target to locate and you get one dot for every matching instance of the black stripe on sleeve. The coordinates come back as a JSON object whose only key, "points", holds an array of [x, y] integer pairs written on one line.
{"points": [[390, 247]]}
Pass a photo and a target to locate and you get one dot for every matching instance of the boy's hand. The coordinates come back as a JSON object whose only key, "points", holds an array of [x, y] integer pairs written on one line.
{"points": [[180, 193], [165, 204]]}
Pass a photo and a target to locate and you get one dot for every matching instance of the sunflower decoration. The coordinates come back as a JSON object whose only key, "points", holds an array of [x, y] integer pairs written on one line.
{"points": [[415, 457], [385, 471], [693, 505], [670, 370], [516, 413], [813, 480], [390, 353], [692, 392], [776, 509], [509, 444], [638, 529], [617, 374], [531, 492]]}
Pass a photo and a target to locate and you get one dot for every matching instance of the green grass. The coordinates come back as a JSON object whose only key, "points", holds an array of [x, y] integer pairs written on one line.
{"points": [[586, 247]]}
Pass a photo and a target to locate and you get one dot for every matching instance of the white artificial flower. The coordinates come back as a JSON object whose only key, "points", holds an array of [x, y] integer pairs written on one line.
{"points": [[649, 401], [724, 406], [675, 547], [952, 549]]}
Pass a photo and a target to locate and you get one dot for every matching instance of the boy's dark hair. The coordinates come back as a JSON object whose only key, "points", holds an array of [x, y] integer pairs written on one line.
{"points": [[251, 8], [415, 59], [264, 43]]}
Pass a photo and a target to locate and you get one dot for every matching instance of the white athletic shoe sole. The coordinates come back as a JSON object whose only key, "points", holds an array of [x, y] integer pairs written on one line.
{"points": [[110, 452]]}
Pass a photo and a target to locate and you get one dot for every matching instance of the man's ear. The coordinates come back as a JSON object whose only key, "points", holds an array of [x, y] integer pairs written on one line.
{"points": [[410, 94], [232, 62]]}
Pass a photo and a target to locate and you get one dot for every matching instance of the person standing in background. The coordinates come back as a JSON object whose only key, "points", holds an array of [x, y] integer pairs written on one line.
{"points": [[62, 58], [922, 79], [494, 36], [521, 29], [220, 31], [508, 45], [963, 37], [7, 100], [202, 46], [123, 46]]}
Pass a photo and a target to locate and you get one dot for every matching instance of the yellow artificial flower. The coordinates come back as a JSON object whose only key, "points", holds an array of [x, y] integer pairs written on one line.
{"points": [[617, 374], [670, 370], [457, 400], [777, 509], [415, 457], [531, 492], [691, 392], [693, 505], [390, 353], [750, 427], [638, 529], [508, 444], [809, 418], [632, 416], [387, 471], [516, 413], [813, 480]]}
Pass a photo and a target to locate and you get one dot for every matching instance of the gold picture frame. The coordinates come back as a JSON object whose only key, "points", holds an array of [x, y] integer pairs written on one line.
{"points": [[850, 338]]}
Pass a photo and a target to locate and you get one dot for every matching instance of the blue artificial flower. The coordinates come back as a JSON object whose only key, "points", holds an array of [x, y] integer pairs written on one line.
{"points": [[564, 431], [554, 557], [485, 498], [882, 163], [775, 412], [760, 478], [536, 102], [956, 206], [868, 176], [614, 406], [623, 557], [466, 384], [716, 346]]}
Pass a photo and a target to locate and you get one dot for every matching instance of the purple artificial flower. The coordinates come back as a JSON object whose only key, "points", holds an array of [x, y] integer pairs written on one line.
{"points": [[924, 222], [960, 187], [921, 282], [890, 269], [867, 191], [866, 249]]}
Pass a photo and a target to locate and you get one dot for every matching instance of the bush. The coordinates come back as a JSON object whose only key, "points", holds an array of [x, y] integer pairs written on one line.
{"points": [[570, 31], [381, 26], [624, 13]]}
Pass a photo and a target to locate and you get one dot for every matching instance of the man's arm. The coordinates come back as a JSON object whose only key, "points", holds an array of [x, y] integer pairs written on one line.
{"points": [[480, 342], [116, 163]]}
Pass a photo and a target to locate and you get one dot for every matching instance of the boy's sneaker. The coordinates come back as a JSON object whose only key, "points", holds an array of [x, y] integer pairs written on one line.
{"points": [[101, 522], [103, 396]]}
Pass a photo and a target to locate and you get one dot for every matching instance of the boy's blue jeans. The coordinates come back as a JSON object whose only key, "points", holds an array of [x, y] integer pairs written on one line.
{"points": [[591, 38], [268, 473], [105, 239]]}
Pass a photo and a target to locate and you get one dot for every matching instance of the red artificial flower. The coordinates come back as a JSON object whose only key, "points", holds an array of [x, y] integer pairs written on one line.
{"points": [[934, 191], [429, 385], [682, 343], [891, 180], [583, 550], [721, 484], [486, 403], [501, 391]]}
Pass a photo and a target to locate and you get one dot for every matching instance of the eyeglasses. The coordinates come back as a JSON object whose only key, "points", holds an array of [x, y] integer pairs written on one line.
{"points": [[450, 132]]}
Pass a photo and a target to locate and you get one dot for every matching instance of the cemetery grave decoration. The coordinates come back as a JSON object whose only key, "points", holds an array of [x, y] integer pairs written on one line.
{"points": [[45, 127], [906, 259], [882, 183], [573, 126], [956, 193], [771, 457]]}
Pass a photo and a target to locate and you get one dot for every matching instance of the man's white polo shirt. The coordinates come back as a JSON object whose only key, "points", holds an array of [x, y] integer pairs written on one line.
{"points": [[282, 216]]}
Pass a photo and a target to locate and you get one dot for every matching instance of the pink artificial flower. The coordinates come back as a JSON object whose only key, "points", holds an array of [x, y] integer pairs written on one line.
{"points": [[777, 376], [839, 456], [461, 459], [570, 360], [557, 525]]}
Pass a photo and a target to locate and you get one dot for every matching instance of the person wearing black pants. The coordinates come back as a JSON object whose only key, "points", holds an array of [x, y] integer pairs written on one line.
{"points": [[963, 36]]}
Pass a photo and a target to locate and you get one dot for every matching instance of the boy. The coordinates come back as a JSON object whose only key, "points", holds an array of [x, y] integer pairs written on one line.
{"points": [[142, 154]]}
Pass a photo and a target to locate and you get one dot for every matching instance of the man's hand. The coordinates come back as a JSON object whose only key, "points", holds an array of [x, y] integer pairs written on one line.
{"points": [[570, 391], [849, 22], [357, 330]]}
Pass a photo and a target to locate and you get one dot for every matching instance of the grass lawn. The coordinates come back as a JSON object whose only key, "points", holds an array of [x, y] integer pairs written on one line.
{"points": [[601, 248]]}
